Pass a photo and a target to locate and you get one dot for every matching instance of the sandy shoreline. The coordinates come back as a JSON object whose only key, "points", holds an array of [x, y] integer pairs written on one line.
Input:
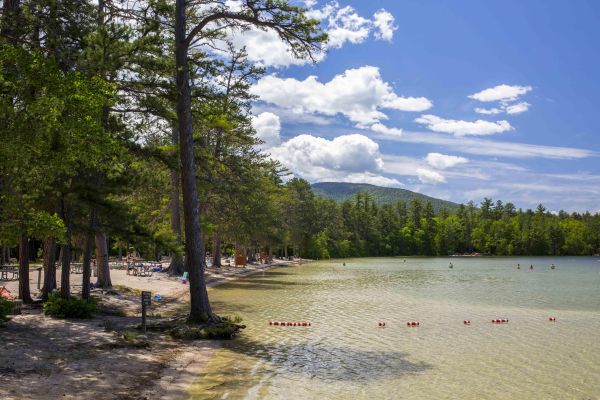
{"points": [[42, 357]]}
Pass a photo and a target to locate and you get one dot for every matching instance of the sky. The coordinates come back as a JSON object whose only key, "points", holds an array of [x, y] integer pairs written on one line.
{"points": [[458, 99]]}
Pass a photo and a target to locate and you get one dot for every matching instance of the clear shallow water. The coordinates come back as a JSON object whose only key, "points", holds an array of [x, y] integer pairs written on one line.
{"points": [[345, 355]]}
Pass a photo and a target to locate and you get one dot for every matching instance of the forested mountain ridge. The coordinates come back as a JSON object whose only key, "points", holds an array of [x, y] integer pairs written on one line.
{"points": [[341, 191]]}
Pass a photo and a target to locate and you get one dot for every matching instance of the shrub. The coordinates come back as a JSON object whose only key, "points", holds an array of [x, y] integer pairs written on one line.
{"points": [[73, 307], [5, 308]]}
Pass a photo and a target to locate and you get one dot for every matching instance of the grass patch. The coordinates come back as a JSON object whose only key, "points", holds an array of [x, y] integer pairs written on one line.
{"points": [[133, 339], [126, 290], [5, 309], [224, 329]]}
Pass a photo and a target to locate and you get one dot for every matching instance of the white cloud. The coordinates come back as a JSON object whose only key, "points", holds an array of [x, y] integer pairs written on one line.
{"points": [[347, 26], [384, 22], [380, 128], [265, 48], [428, 176], [517, 108], [342, 24], [359, 94], [268, 127], [493, 148], [463, 128], [488, 111], [443, 161], [348, 158], [501, 93]]}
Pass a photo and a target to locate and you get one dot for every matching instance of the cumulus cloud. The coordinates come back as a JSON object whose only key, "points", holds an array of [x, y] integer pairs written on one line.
{"points": [[463, 128], [380, 128], [443, 161], [501, 93], [343, 25], [507, 96], [359, 94], [517, 108], [384, 22], [488, 111], [268, 127], [428, 176], [347, 158]]}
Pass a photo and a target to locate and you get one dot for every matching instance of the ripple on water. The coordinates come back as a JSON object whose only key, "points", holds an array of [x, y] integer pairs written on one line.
{"points": [[345, 355]]}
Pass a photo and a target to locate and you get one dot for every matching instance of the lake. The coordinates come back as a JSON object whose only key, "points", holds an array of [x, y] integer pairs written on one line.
{"points": [[344, 354]]}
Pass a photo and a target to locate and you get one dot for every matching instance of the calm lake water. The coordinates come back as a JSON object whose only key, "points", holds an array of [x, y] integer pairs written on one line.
{"points": [[346, 355]]}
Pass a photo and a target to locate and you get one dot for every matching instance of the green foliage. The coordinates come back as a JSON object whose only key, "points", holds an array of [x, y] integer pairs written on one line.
{"points": [[5, 308], [74, 307]]}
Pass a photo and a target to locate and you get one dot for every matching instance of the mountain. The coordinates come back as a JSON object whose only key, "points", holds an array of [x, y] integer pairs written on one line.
{"points": [[340, 191]]}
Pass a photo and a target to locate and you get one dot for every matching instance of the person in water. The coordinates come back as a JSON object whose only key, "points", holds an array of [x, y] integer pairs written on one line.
{"points": [[531, 267], [451, 266], [518, 266], [552, 266]]}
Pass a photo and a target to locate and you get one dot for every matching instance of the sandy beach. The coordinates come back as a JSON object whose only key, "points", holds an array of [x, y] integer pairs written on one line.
{"points": [[107, 356]]}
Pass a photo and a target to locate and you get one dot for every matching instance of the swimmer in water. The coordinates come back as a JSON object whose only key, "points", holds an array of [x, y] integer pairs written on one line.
{"points": [[531, 267], [552, 266], [518, 266], [451, 266], [344, 264]]}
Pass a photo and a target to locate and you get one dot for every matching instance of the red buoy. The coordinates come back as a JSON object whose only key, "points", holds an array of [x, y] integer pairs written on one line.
{"points": [[276, 323], [553, 319]]}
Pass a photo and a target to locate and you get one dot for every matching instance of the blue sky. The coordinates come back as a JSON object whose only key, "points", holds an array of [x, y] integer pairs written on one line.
{"points": [[454, 99]]}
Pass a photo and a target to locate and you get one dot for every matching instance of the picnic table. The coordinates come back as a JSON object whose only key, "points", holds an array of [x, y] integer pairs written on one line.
{"points": [[77, 268], [140, 268], [9, 272]]}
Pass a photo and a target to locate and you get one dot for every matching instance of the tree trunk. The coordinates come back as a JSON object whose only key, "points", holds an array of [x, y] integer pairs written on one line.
{"points": [[194, 258], [65, 275], [49, 267], [177, 267], [217, 251], [24, 293], [87, 257], [102, 261]]}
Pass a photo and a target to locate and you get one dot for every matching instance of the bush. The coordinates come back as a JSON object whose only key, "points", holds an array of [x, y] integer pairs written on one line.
{"points": [[5, 308], [74, 307]]}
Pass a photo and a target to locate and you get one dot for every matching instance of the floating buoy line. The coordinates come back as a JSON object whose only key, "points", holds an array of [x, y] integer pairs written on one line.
{"points": [[381, 324]]}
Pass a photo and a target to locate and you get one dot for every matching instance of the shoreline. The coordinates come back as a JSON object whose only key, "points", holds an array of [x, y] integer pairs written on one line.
{"points": [[43, 357]]}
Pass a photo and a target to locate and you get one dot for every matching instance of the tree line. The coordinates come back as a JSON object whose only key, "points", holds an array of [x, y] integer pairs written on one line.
{"points": [[360, 228]]}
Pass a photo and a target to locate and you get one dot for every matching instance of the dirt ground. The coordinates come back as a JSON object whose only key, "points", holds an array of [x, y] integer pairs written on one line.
{"points": [[107, 356]]}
